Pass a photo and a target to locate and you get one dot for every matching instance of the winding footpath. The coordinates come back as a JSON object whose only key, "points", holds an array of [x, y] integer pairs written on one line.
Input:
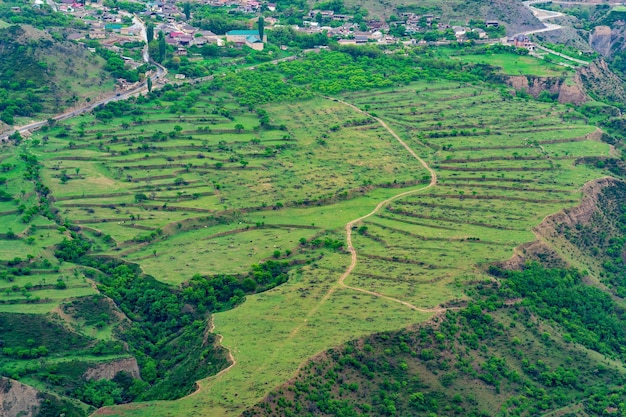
{"points": [[381, 205], [229, 356], [353, 253]]}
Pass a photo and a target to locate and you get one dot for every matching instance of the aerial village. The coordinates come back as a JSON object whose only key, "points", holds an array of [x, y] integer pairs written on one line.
{"points": [[113, 25]]}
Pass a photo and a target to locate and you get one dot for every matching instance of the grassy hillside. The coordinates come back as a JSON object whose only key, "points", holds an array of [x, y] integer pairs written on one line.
{"points": [[289, 207], [538, 341], [485, 360], [41, 75]]}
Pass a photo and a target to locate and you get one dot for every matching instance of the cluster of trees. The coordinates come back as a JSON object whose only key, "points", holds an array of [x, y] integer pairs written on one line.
{"points": [[71, 250], [116, 66], [344, 69], [123, 388], [115, 109], [288, 36], [588, 315], [41, 18], [218, 20], [223, 292], [25, 353]]}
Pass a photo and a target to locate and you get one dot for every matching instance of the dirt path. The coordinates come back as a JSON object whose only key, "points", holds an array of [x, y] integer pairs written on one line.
{"points": [[382, 204], [341, 281], [230, 358]]}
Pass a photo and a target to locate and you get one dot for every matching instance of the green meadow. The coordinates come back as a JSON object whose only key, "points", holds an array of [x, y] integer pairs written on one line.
{"points": [[502, 166], [189, 182]]}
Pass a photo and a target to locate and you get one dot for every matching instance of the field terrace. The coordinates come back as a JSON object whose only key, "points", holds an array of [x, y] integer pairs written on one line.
{"points": [[502, 165]]}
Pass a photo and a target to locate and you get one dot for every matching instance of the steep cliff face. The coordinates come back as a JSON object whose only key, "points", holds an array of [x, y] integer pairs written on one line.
{"points": [[17, 399], [566, 93], [600, 40], [598, 80], [595, 80]]}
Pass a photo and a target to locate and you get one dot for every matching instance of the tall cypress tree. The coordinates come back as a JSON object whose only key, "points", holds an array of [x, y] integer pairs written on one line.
{"points": [[149, 32], [261, 23], [162, 46]]}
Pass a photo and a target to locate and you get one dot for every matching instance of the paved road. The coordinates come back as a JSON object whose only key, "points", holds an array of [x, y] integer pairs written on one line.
{"points": [[542, 15], [142, 87]]}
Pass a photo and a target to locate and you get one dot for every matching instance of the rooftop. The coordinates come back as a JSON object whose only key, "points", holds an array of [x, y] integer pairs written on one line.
{"points": [[243, 32]]}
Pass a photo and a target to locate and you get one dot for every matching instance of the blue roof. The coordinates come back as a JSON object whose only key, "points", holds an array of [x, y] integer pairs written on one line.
{"points": [[243, 32], [253, 39]]}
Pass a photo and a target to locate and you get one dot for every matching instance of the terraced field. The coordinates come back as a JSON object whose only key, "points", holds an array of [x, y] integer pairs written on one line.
{"points": [[192, 183], [501, 167]]}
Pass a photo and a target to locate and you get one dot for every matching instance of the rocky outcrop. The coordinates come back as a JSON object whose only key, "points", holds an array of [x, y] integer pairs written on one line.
{"points": [[600, 40], [533, 251], [110, 369], [17, 399], [565, 93]]}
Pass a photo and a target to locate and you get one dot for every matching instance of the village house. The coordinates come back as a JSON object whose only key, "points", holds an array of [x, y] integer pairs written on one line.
{"points": [[459, 31], [97, 34], [342, 17], [324, 13], [522, 41], [209, 36], [481, 33], [254, 42], [361, 38], [346, 42]]}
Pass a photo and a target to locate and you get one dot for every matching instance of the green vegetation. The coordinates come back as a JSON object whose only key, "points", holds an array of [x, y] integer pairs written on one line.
{"points": [[226, 204], [509, 61], [47, 81], [498, 354]]}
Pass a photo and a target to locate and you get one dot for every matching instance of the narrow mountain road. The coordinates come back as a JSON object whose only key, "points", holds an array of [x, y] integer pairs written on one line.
{"points": [[543, 15], [141, 88]]}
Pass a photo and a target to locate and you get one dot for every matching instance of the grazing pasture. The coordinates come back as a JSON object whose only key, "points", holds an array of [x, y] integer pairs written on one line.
{"points": [[189, 182], [502, 165]]}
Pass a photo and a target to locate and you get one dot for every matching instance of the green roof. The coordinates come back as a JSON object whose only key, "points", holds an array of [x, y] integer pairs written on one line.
{"points": [[243, 32]]}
